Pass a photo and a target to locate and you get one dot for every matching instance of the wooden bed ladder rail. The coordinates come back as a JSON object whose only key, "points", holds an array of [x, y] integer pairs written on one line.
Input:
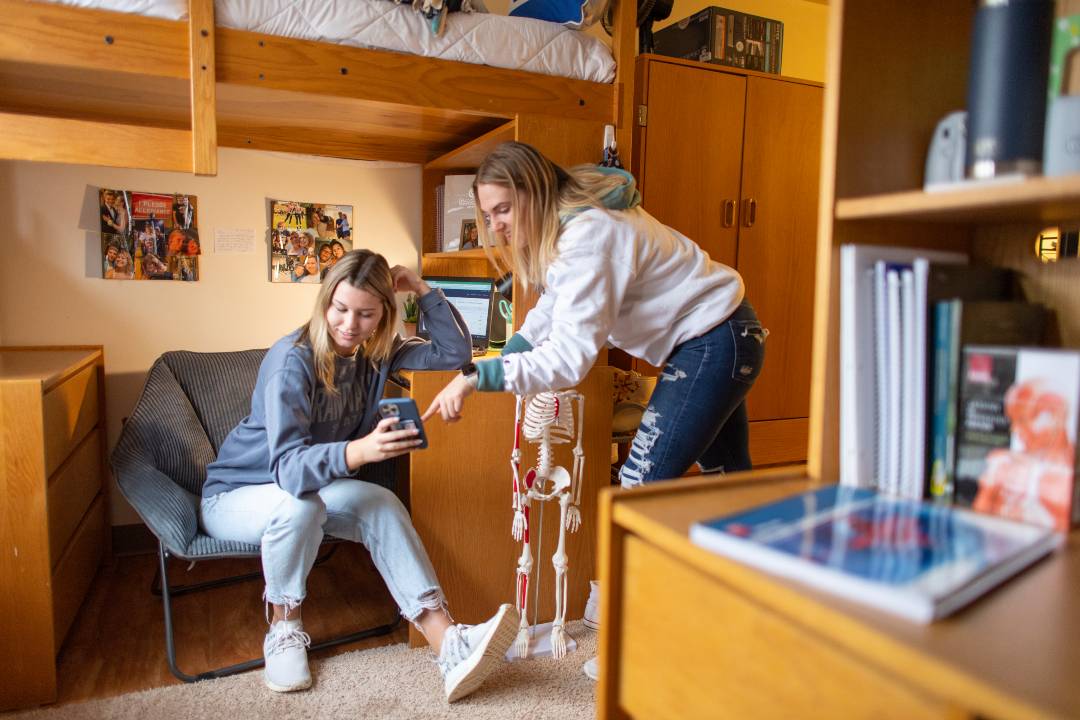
{"points": [[203, 87], [624, 48]]}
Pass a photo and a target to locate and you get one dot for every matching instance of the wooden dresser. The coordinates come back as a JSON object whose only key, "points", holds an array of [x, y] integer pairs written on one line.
{"points": [[686, 633], [53, 510]]}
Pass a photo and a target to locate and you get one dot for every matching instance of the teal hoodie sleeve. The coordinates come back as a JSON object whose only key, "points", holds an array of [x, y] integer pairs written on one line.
{"points": [[516, 344]]}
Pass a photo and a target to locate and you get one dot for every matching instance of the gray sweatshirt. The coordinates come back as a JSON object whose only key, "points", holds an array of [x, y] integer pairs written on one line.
{"points": [[297, 431]]}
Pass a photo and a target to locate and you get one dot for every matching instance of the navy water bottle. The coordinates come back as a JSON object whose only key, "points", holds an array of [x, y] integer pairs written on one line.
{"points": [[1010, 61]]}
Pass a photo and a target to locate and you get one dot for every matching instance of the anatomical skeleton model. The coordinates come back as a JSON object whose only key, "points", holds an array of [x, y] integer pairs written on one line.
{"points": [[548, 420]]}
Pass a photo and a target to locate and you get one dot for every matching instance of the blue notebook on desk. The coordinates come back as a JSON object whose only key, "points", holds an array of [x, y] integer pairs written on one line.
{"points": [[915, 559]]}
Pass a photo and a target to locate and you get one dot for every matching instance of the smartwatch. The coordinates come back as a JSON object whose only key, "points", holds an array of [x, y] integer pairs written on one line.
{"points": [[471, 373]]}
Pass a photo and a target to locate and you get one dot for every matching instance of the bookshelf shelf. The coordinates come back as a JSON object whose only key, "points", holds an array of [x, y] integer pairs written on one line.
{"points": [[469, 155], [1036, 199], [459, 254]]}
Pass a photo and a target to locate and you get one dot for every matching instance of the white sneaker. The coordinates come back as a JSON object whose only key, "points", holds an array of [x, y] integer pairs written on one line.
{"points": [[592, 607], [470, 652], [591, 668], [285, 651]]}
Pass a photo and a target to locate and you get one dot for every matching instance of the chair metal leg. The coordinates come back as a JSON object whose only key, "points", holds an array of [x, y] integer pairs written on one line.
{"points": [[178, 590], [170, 645]]}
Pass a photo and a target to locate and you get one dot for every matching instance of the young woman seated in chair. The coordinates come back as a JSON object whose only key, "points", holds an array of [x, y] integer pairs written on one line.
{"points": [[292, 470]]}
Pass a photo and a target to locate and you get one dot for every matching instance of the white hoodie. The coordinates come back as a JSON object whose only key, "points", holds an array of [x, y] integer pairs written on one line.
{"points": [[622, 278]]}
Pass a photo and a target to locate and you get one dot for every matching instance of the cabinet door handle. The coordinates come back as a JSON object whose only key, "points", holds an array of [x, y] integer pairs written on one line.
{"points": [[729, 213], [749, 211]]}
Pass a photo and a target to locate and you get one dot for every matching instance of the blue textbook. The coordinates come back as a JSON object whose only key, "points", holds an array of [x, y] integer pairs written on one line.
{"points": [[915, 559]]}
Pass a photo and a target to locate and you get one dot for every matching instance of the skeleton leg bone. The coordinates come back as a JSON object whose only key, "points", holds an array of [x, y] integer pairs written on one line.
{"points": [[559, 560], [521, 584]]}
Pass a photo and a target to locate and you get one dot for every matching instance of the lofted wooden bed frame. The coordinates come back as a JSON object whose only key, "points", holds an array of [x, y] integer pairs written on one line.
{"points": [[108, 88]]}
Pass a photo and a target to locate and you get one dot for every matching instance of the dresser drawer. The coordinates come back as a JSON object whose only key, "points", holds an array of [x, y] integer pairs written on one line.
{"points": [[71, 490], [69, 412], [694, 648], [77, 567]]}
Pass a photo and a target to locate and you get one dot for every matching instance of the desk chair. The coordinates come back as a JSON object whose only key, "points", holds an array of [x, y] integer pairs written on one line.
{"points": [[631, 392], [189, 404]]}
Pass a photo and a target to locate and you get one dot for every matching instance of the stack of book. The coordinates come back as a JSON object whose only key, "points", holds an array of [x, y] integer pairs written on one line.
{"points": [[958, 459], [941, 387]]}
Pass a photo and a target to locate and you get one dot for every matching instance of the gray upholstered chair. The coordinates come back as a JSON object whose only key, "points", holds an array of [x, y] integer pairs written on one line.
{"points": [[189, 404]]}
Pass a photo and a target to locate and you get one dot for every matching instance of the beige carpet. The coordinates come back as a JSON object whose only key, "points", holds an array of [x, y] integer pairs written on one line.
{"points": [[386, 682]]}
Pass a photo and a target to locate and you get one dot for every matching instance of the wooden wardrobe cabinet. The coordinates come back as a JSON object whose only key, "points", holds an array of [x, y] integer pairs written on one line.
{"points": [[731, 159], [53, 509]]}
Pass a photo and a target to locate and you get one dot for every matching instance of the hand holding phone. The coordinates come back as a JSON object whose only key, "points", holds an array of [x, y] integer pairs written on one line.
{"points": [[404, 409]]}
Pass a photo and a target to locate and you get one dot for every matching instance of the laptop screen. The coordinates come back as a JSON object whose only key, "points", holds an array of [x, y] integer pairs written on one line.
{"points": [[472, 298]]}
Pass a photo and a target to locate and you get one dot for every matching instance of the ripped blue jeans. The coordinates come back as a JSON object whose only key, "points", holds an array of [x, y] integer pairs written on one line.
{"points": [[697, 413], [289, 530]]}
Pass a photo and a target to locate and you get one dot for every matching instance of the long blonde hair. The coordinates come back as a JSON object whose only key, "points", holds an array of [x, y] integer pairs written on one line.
{"points": [[542, 191], [363, 270]]}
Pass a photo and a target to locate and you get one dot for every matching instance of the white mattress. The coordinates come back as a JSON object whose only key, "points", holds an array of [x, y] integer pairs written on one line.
{"points": [[480, 38]]}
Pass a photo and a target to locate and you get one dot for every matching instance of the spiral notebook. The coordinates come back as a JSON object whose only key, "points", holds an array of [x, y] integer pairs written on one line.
{"points": [[914, 559]]}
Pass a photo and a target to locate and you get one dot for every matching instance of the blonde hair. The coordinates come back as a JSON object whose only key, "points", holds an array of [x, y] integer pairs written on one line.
{"points": [[363, 270], [541, 192]]}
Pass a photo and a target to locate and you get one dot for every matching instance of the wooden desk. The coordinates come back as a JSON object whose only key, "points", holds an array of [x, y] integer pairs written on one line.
{"points": [[688, 634], [53, 510], [460, 494]]}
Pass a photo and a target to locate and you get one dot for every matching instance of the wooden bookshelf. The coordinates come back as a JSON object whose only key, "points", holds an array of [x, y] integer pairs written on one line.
{"points": [[1040, 198], [472, 254], [686, 633], [878, 127], [470, 154]]}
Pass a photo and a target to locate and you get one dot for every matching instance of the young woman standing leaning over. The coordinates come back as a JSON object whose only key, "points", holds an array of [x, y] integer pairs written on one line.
{"points": [[292, 471], [611, 273]]}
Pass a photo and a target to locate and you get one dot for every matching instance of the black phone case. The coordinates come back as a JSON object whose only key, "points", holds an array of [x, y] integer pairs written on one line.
{"points": [[408, 414]]}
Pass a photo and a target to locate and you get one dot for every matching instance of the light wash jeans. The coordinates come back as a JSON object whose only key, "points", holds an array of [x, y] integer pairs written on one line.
{"points": [[697, 412], [289, 530]]}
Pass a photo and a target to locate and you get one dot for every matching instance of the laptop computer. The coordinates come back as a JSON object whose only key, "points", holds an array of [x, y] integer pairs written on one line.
{"points": [[473, 299]]}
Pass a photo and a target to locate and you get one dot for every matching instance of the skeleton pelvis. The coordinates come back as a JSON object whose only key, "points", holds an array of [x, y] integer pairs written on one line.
{"points": [[546, 488]]}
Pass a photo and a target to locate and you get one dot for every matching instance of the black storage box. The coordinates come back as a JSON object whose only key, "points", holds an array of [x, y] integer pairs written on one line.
{"points": [[725, 37]]}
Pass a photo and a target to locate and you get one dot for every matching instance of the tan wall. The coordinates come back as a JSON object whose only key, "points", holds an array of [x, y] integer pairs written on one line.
{"points": [[51, 291]]}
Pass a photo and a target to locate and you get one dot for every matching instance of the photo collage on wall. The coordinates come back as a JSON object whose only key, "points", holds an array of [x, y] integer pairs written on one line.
{"points": [[306, 239], [148, 236]]}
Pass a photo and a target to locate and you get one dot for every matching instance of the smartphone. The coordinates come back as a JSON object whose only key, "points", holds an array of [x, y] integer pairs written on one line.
{"points": [[409, 416]]}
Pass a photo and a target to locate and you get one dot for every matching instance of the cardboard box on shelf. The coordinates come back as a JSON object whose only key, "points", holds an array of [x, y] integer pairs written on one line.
{"points": [[725, 37]]}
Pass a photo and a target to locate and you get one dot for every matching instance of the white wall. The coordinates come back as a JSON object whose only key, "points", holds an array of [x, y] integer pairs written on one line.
{"points": [[51, 292]]}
